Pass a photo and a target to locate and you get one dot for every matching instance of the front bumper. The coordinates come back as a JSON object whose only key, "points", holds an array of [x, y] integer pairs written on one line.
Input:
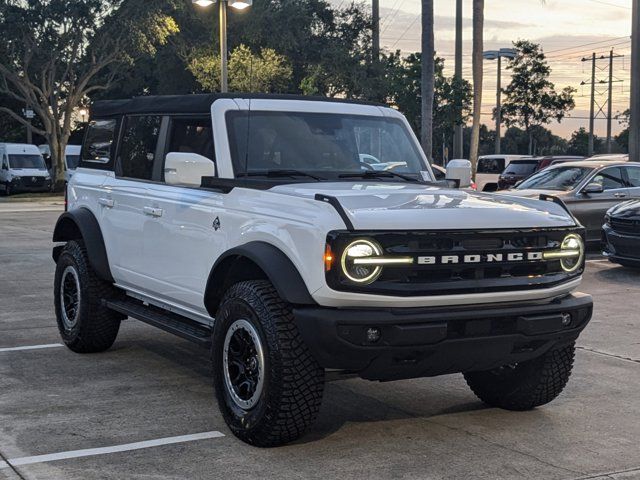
{"points": [[620, 248], [25, 184], [424, 342]]}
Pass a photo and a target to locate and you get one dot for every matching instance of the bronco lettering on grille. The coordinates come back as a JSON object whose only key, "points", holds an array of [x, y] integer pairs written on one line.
{"points": [[477, 258]]}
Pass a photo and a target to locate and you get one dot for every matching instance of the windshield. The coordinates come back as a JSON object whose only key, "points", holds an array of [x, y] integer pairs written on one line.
{"points": [[27, 161], [73, 161], [521, 168], [561, 178], [321, 144]]}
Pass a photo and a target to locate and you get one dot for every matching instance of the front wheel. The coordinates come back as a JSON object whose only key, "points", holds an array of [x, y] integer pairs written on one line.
{"points": [[7, 189], [268, 385], [526, 385]]}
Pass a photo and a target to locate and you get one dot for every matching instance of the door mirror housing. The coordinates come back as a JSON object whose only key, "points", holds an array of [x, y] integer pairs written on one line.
{"points": [[182, 168], [459, 171], [592, 188]]}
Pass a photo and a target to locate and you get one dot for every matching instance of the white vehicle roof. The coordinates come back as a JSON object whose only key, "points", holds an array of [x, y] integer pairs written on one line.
{"points": [[20, 148]]}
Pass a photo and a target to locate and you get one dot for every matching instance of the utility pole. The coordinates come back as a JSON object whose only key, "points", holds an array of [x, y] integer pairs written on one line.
{"points": [[499, 105], [634, 126], [375, 34], [593, 103], [458, 129], [610, 102], [599, 113]]}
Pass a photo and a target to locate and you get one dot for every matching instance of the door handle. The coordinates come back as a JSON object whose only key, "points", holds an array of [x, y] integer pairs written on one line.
{"points": [[106, 202], [620, 195], [152, 212]]}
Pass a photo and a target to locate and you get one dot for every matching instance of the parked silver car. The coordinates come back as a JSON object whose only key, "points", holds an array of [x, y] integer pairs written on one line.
{"points": [[589, 188]]}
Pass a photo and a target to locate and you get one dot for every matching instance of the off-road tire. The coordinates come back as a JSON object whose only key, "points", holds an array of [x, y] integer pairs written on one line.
{"points": [[96, 327], [525, 385], [293, 380]]}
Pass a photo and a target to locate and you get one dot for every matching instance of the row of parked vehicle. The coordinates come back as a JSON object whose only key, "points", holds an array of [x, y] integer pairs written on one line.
{"points": [[27, 168]]}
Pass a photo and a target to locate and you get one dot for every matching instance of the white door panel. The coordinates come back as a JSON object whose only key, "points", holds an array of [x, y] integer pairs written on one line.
{"points": [[181, 245]]}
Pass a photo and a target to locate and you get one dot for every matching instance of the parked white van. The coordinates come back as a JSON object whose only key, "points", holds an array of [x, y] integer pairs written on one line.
{"points": [[489, 169], [22, 168]]}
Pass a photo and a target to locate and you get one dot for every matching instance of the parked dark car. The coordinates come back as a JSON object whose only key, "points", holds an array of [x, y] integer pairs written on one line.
{"points": [[589, 188], [621, 234], [518, 170]]}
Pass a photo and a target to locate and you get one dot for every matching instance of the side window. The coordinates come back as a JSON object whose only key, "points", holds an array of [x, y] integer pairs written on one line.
{"points": [[633, 173], [98, 143], [192, 135], [4, 162], [610, 178], [137, 151]]}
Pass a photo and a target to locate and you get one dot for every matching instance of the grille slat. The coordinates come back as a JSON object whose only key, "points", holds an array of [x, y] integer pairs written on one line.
{"points": [[625, 226]]}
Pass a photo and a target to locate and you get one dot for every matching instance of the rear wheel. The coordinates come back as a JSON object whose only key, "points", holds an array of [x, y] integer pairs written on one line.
{"points": [[268, 385], [85, 325], [526, 385]]}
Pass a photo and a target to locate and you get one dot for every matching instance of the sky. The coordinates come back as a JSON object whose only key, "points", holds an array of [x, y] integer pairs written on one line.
{"points": [[568, 31]]}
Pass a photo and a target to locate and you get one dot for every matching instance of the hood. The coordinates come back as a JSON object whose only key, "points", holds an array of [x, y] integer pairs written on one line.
{"points": [[400, 206], [628, 210]]}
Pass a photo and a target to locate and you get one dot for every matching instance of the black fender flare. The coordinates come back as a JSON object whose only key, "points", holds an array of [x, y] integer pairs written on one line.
{"points": [[82, 224], [272, 262]]}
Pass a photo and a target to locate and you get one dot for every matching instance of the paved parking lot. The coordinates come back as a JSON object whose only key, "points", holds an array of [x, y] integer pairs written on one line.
{"points": [[145, 409]]}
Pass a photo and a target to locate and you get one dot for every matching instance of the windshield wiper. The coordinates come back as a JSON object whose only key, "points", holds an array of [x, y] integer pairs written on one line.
{"points": [[280, 173], [378, 174]]}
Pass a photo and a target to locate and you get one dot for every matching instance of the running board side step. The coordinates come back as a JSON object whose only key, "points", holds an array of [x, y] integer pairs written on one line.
{"points": [[181, 326]]}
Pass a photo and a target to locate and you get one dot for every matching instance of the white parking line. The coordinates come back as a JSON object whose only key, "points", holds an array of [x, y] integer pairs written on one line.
{"points": [[16, 462], [31, 347]]}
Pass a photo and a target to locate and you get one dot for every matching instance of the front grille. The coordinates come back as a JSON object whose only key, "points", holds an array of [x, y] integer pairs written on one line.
{"points": [[625, 226], [485, 274]]}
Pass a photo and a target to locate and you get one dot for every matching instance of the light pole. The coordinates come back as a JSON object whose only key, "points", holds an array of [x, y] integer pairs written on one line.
{"points": [[222, 9], [498, 55]]}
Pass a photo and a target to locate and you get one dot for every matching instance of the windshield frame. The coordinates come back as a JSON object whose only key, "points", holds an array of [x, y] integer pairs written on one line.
{"points": [[221, 110], [589, 172]]}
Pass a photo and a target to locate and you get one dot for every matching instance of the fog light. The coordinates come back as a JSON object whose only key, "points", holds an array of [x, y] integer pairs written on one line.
{"points": [[566, 319], [373, 334]]}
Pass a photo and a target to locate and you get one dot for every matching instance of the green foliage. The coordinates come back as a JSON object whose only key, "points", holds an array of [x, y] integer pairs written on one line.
{"points": [[518, 141], [579, 143], [404, 91], [267, 72], [531, 99]]}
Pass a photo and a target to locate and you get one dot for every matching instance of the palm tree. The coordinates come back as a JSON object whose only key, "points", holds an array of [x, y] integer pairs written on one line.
{"points": [[427, 80], [476, 60]]}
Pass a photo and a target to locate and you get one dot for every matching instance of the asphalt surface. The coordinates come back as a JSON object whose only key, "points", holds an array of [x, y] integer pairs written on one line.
{"points": [[152, 386]]}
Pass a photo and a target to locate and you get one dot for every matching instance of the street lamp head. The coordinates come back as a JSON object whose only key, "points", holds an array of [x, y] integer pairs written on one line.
{"points": [[203, 3], [490, 54], [240, 4]]}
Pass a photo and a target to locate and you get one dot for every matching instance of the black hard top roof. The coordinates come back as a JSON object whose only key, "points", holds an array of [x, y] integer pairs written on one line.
{"points": [[195, 103]]}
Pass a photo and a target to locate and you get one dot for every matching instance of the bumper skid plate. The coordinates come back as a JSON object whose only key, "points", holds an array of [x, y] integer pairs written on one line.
{"points": [[401, 343]]}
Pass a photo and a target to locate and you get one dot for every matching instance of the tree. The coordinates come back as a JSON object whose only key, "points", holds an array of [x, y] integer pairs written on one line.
{"points": [[579, 143], [622, 139], [427, 79], [478, 47], [55, 53], [267, 72], [404, 86], [531, 99]]}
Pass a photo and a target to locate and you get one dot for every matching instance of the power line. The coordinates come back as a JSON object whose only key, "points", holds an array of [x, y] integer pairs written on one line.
{"points": [[610, 4]]}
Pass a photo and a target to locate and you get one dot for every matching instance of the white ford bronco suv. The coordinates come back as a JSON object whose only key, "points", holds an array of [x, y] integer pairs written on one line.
{"points": [[256, 226]]}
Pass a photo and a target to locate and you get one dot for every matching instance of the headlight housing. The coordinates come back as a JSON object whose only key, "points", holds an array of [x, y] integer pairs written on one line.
{"points": [[571, 253], [354, 261]]}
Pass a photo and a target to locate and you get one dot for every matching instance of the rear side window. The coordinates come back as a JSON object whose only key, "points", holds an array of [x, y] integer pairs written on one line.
{"points": [[634, 176], [192, 135], [138, 147], [98, 143], [491, 165]]}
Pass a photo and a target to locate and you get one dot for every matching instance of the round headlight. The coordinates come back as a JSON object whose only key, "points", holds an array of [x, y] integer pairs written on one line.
{"points": [[572, 250], [353, 268]]}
